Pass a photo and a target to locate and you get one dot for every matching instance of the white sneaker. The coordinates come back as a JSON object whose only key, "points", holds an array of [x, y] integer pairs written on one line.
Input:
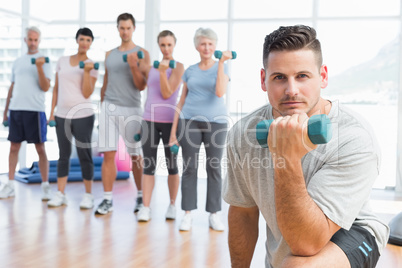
{"points": [[87, 201], [171, 212], [7, 191], [57, 200], [46, 191], [215, 223], [144, 214], [185, 224]]}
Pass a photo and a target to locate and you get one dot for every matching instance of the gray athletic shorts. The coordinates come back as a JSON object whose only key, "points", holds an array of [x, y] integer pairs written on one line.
{"points": [[115, 120]]}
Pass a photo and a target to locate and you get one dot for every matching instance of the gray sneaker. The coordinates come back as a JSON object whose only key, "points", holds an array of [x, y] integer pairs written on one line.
{"points": [[46, 192], [7, 191], [104, 207], [138, 204]]}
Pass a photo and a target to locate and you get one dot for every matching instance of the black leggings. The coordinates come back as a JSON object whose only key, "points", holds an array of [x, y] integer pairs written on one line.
{"points": [[151, 133], [81, 130]]}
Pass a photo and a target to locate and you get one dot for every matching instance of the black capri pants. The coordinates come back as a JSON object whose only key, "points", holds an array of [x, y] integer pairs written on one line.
{"points": [[151, 134], [81, 130]]}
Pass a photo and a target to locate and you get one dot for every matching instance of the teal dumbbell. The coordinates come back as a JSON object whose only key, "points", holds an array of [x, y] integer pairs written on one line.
{"points": [[52, 123], [174, 149], [5, 123], [33, 60], [137, 137], [319, 130], [82, 65], [218, 54], [172, 64], [140, 55]]}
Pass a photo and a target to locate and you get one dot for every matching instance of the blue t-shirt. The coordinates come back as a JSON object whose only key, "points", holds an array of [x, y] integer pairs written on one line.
{"points": [[27, 94], [201, 103]]}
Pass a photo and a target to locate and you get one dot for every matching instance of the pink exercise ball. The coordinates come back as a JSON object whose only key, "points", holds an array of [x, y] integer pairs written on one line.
{"points": [[122, 158]]}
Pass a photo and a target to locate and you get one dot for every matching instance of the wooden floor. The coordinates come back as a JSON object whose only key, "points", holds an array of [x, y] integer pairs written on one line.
{"points": [[33, 235]]}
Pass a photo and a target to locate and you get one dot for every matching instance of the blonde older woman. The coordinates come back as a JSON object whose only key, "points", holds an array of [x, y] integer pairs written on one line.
{"points": [[201, 117]]}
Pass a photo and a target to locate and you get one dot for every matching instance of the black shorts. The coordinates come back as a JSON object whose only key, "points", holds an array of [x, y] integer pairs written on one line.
{"points": [[27, 126], [359, 246]]}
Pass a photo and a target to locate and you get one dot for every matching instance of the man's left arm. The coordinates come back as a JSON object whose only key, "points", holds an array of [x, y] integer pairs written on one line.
{"points": [[303, 224], [139, 68], [44, 82]]}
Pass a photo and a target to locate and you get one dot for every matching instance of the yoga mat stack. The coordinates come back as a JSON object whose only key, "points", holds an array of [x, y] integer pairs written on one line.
{"points": [[32, 174]]}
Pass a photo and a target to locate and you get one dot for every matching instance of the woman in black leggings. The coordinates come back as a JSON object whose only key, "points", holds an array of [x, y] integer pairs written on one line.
{"points": [[163, 83], [74, 117]]}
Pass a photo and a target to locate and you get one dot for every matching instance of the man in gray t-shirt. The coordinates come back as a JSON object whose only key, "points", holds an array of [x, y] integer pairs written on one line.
{"points": [[24, 112], [314, 198]]}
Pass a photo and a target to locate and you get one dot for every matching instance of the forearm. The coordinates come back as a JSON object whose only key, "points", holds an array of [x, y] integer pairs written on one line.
{"points": [[221, 81], [54, 102], [165, 86], [9, 94], [87, 85], [243, 235], [303, 225], [138, 78], [44, 83]]}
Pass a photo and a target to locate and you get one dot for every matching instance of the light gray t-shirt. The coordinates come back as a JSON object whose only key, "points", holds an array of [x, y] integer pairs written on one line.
{"points": [[339, 176], [27, 94], [121, 89]]}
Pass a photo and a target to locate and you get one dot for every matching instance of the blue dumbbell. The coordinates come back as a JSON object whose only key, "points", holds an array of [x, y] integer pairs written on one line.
{"points": [[5, 123], [33, 60], [174, 149], [172, 64], [52, 123], [218, 54], [319, 130], [82, 65], [140, 55], [137, 137]]}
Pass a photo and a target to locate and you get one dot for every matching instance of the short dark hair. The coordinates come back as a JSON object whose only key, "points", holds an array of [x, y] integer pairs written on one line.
{"points": [[290, 38], [166, 33], [84, 31], [126, 16]]}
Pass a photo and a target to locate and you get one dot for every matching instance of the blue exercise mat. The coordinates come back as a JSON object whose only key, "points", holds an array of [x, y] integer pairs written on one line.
{"points": [[32, 174]]}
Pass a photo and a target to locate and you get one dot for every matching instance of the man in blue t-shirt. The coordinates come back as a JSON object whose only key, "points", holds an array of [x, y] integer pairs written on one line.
{"points": [[25, 110]]}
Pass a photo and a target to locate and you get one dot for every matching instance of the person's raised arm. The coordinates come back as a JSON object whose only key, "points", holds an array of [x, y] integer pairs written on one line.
{"points": [[88, 81], [179, 106], [9, 95], [243, 234], [222, 79], [169, 86], [54, 98], [104, 85], [44, 82], [139, 68], [302, 223]]}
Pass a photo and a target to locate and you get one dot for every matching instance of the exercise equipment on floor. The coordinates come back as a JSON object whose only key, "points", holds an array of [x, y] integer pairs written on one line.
{"points": [[32, 174], [319, 130], [82, 65], [140, 55], [172, 64], [33, 60], [395, 226], [218, 54]]}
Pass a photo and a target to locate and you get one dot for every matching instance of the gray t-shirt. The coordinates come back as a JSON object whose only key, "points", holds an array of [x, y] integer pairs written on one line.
{"points": [[339, 176], [121, 89], [27, 94]]}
